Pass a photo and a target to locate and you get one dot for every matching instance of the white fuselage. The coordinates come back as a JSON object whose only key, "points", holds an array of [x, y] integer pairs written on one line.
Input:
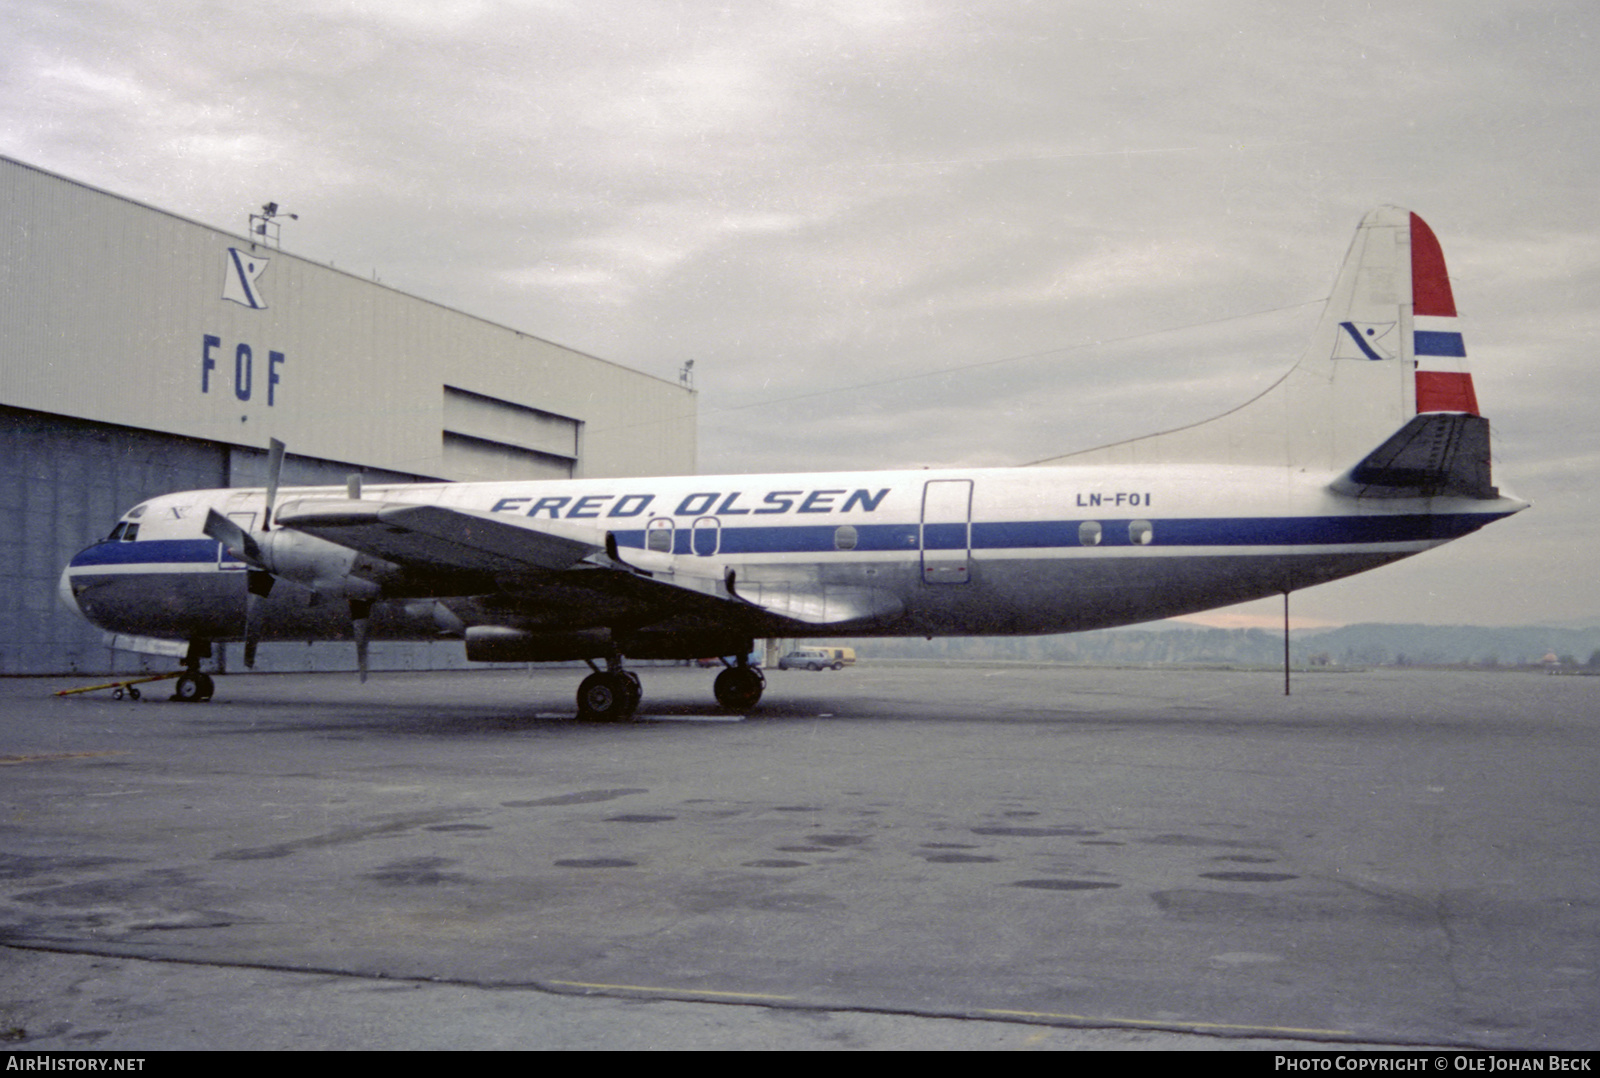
{"points": [[949, 552]]}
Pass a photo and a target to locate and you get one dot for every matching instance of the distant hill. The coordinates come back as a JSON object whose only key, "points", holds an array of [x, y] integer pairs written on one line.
{"points": [[1432, 645], [1351, 645]]}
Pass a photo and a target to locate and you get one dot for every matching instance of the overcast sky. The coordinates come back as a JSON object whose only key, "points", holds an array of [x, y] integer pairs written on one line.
{"points": [[907, 232]]}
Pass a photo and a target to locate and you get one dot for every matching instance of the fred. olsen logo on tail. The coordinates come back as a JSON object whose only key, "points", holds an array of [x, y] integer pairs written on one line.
{"points": [[1371, 449]]}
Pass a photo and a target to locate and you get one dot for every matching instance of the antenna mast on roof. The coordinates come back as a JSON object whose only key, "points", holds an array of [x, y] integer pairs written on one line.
{"points": [[264, 225]]}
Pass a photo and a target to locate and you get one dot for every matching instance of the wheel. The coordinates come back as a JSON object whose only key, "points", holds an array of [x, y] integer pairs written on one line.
{"points": [[813, 667], [133, 693], [188, 690], [738, 688], [117, 694], [838, 666], [608, 697], [208, 687]]}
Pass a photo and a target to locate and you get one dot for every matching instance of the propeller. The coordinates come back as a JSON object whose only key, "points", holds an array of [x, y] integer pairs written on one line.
{"points": [[360, 611], [275, 450], [261, 576], [258, 585], [258, 578]]}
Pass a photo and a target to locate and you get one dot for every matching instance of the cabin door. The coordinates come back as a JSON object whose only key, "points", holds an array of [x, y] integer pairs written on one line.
{"points": [[946, 531]]}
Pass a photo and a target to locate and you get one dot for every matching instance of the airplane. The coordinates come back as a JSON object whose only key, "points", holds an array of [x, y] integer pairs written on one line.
{"points": [[1370, 449]]}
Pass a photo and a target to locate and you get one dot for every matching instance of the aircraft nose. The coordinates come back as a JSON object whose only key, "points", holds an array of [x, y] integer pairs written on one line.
{"points": [[64, 591]]}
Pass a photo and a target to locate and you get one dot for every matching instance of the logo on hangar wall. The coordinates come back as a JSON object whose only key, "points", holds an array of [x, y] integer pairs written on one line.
{"points": [[240, 276]]}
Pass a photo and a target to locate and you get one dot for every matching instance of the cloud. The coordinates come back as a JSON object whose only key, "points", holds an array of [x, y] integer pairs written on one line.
{"points": [[886, 204]]}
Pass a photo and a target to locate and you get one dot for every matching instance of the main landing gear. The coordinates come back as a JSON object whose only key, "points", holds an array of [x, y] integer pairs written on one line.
{"points": [[612, 694], [609, 695], [738, 688]]}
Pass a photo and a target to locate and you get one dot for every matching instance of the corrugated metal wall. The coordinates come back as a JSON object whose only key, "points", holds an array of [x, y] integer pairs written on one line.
{"points": [[63, 484], [120, 313]]}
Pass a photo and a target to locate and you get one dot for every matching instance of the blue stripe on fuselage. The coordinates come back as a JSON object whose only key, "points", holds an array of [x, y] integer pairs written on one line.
{"points": [[1239, 531], [1046, 534], [149, 552], [1010, 535]]}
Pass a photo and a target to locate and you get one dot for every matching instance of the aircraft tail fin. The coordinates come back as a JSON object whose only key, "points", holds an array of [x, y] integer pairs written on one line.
{"points": [[1388, 348]]}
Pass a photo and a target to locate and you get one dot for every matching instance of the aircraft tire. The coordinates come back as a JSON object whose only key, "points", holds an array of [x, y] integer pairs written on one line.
{"points": [[608, 697], [189, 689], [739, 688]]}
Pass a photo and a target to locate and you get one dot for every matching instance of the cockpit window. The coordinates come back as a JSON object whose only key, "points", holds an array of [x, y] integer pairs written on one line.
{"points": [[116, 533], [136, 512], [131, 533]]}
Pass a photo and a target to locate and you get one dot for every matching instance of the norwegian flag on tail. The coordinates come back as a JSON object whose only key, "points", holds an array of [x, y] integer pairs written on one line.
{"points": [[1443, 381]]}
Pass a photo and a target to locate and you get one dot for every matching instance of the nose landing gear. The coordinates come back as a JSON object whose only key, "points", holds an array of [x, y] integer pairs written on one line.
{"points": [[194, 686]]}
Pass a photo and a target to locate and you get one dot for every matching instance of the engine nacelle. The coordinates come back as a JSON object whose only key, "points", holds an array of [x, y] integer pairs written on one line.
{"points": [[503, 644], [326, 568]]}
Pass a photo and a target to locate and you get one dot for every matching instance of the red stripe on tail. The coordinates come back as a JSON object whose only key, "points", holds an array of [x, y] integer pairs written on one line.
{"points": [[1430, 284], [1445, 391]]}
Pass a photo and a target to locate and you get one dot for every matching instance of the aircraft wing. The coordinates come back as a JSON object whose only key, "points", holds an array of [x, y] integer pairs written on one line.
{"points": [[559, 563], [434, 538]]}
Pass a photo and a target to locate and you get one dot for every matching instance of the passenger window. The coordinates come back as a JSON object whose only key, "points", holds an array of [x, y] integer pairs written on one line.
{"points": [[1141, 533], [1089, 533], [845, 537]]}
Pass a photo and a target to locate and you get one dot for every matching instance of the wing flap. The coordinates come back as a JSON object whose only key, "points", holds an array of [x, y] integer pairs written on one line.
{"points": [[814, 603]]}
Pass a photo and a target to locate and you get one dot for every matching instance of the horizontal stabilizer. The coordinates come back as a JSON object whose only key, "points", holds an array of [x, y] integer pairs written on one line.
{"points": [[1434, 455]]}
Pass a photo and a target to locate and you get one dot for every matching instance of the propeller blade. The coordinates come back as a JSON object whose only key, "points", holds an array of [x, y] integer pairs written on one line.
{"points": [[259, 582], [360, 611], [275, 450], [239, 542]]}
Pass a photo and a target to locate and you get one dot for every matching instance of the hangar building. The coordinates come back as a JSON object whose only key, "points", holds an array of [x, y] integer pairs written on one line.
{"points": [[142, 353]]}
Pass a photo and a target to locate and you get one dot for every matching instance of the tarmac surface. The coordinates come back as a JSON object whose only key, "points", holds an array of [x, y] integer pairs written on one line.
{"points": [[884, 857]]}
